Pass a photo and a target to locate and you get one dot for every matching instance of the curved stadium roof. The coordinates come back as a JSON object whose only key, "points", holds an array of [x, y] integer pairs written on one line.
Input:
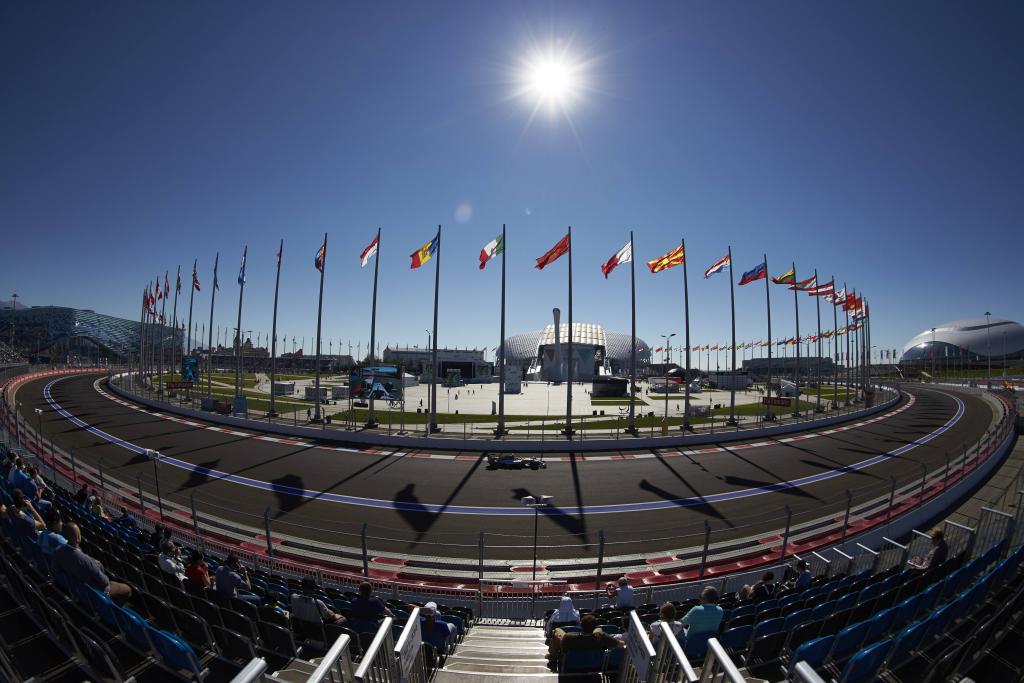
{"points": [[522, 348], [979, 337]]}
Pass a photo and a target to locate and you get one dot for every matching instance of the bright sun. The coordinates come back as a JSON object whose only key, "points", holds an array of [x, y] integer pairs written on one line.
{"points": [[551, 80]]}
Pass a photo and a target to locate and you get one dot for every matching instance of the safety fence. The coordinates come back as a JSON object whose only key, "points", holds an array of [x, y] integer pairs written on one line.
{"points": [[835, 552]]}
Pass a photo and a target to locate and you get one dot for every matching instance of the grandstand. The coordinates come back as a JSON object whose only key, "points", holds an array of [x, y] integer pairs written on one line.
{"points": [[9, 356]]}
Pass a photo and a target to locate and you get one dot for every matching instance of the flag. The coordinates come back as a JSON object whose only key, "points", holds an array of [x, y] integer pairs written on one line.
{"points": [[718, 266], [659, 349], [321, 256], [368, 253], [423, 254], [177, 282], [280, 253], [554, 253], [159, 294], [806, 285], [167, 284], [825, 290], [787, 278], [837, 298], [672, 258], [624, 255], [492, 249], [850, 303], [241, 268], [758, 272]]}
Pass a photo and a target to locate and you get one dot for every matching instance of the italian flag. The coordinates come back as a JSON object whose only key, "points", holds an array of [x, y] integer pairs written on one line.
{"points": [[492, 249]]}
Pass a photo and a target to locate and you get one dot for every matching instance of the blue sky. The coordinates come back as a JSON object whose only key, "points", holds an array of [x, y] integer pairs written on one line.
{"points": [[879, 142]]}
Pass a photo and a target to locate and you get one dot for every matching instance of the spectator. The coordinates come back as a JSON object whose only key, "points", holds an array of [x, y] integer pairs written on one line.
{"points": [[565, 615], [668, 621], [28, 483], [126, 519], [764, 588], [156, 537], [429, 612], [230, 577], [624, 598], [51, 538], [82, 497], [803, 575], [368, 606], [96, 508], [936, 556], [77, 568], [311, 609], [197, 571], [275, 602], [703, 620], [45, 503], [589, 638], [170, 560], [15, 473], [744, 593], [24, 517]]}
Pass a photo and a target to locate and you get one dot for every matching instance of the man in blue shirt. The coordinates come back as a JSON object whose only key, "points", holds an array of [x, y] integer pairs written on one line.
{"points": [[51, 538], [24, 517], [702, 622], [78, 568], [230, 577], [803, 576], [367, 606]]}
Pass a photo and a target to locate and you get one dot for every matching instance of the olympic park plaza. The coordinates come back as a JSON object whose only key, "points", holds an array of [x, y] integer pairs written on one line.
{"points": [[848, 484]]}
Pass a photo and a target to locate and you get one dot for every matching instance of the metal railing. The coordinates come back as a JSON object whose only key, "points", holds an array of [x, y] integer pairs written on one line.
{"points": [[336, 665], [639, 657], [252, 672], [670, 663], [379, 664], [803, 673], [718, 666]]}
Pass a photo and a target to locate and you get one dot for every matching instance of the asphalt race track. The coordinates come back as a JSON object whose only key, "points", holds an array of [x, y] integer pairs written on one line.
{"points": [[644, 501]]}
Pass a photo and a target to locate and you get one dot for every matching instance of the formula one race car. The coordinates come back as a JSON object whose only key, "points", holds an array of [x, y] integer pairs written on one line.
{"points": [[514, 462]]}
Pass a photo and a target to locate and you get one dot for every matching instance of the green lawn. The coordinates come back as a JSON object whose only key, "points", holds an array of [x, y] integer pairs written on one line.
{"points": [[615, 401]]}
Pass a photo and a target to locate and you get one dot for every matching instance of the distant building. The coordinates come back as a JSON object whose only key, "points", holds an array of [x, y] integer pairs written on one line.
{"points": [[758, 367], [974, 340], [52, 332], [597, 352], [468, 363]]}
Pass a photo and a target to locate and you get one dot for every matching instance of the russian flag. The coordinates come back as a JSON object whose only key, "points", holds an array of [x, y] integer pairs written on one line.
{"points": [[759, 272]]}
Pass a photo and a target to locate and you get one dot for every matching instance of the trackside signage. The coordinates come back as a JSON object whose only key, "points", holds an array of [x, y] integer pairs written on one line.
{"points": [[409, 643]]}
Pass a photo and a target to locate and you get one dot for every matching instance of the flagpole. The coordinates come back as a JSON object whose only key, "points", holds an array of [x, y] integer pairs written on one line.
{"points": [[732, 384], [768, 304], [191, 294], [238, 332], [686, 329], [209, 350], [847, 335], [371, 419], [163, 335], [568, 393], [273, 333], [319, 318], [632, 356], [796, 374], [174, 318], [432, 427], [817, 373], [501, 344], [834, 344], [142, 333]]}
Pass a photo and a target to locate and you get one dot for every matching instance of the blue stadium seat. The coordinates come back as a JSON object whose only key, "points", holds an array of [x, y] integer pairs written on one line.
{"points": [[864, 665], [880, 625], [814, 652], [763, 628], [736, 639], [823, 610], [907, 610], [581, 661], [796, 619], [848, 641], [846, 602], [906, 641], [176, 654]]}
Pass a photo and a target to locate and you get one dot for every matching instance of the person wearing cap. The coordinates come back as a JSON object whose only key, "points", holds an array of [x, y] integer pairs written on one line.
{"points": [[430, 610], [624, 598], [311, 609]]}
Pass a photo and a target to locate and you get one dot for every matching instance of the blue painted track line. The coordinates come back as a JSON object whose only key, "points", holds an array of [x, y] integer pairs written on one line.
{"points": [[432, 508]]}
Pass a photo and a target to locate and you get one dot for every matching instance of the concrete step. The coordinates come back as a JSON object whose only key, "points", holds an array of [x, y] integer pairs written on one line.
{"points": [[491, 655], [505, 632], [456, 676], [502, 667]]}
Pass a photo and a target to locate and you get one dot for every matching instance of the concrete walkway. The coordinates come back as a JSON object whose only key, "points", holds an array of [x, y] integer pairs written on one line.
{"points": [[498, 653]]}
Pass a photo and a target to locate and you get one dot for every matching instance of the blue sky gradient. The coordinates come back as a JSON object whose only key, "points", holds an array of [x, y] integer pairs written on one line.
{"points": [[877, 141]]}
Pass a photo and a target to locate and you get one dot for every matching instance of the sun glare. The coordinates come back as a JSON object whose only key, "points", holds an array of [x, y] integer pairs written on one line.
{"points": [[551, 80]]}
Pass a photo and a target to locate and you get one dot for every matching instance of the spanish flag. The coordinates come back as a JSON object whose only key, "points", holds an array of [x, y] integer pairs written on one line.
{"points": [[423, 254], [672, 258]]}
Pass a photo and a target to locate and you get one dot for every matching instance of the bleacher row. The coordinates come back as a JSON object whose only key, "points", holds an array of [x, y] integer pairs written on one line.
{"points": [[169, 630]]}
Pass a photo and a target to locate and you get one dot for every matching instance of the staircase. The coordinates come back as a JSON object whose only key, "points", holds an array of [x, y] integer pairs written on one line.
{"points": [[498, 653]]}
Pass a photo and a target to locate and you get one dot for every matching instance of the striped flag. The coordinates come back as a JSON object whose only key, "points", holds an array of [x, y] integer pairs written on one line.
{"points": [[368, 253], [495, 247], [669, 260], [554, 253], [423, 254], [321, 256], [718, 266], [624, 255]]}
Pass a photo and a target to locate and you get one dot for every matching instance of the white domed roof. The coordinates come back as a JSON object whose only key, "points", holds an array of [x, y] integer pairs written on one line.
{"points": [[977, 335]]}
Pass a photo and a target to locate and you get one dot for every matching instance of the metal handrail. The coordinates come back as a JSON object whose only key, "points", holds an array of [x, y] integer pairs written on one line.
{"points": [[803, 673], [378, 662], [336, 655], [718, 666], [253, 671], [678, 663]]}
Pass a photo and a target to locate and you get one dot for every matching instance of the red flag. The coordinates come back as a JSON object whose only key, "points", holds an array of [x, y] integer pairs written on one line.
{"points": [[554, 253], [159, 294], [167, 284]]}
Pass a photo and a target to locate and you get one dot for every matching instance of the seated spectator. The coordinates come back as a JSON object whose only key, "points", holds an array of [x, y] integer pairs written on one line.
{"points": [[622, 596], [82, 497], [78, 569], [29, 483], [15, 474], [24, 517], [311, 609], [230, 577], [367, 606], [589, 638], [433, 631], [126, 519], [565, 615], [197, 572], [96, 507], [170, 560], [668, 621], [275, 601], [430, 609], [764, 588], [45, 503], [156, 537], [803, 575], [51, 538], [937, 554], [744, 593], [703, 620]]}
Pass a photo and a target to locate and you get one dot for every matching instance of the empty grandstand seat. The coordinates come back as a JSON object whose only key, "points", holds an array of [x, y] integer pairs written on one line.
{"points": [[802, 634], [233, 645], [769, 626], [278, 640], [176, 654], [880, 624], [736, 639], [763, 657], [814, 652], [194, 630], [823, 610], [240, 624], [847, 642], [796, 619], [864, 665]]}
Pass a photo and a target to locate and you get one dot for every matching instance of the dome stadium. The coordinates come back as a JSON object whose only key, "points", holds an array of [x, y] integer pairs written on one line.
{"points": [[597, 351], [972, 339]]}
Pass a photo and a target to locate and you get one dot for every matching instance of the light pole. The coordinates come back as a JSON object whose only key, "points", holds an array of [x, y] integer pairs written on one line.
{"points": [[39, 432], [536, 502], [155, 457], [933, 354], [988, 351], [14, 307], [668, 340]]}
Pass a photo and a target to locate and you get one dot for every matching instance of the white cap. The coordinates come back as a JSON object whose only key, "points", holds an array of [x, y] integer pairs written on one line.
{"points": [[430, 607]]}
